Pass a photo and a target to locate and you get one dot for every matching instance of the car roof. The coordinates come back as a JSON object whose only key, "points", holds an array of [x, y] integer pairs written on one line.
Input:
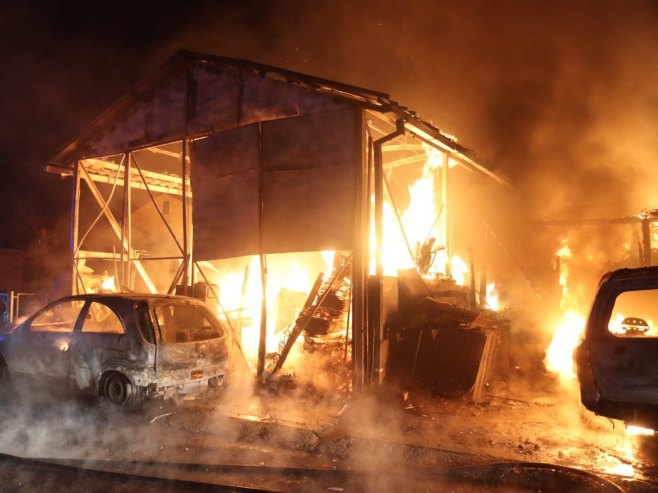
{"points": [[127, 297]]}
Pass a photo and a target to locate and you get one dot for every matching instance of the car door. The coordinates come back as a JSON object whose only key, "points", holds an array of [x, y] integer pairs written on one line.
{"points": [[41, 350], [623, 359], [100, 343]]}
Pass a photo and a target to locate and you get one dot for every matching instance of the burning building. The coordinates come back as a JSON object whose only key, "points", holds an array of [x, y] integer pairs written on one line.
{"points": [[259, 189]]}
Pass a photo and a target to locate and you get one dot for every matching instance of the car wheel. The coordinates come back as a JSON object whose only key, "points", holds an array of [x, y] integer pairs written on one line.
{"points": [[118, 390]]}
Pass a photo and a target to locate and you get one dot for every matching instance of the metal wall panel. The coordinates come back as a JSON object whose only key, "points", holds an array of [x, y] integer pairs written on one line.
{"points": [[225, 194], [307, 172]]}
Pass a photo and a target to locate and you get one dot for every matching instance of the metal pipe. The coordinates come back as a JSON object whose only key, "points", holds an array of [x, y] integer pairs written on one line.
{"points": [[262, 342], [129, 224], [124, 247], [377, 308], [186, 259], [444, 207], [362, 155], [74, 227]]}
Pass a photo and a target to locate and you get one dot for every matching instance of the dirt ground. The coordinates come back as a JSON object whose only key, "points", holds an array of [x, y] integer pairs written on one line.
{"points": [[299, 438]]}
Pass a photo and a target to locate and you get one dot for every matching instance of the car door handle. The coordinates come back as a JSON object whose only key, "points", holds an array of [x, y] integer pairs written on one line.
{"points": [[620, 350]]}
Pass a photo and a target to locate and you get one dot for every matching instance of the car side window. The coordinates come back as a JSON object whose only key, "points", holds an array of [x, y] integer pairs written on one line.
{"points": [[101, 319], [635, 314], [60, 317]]}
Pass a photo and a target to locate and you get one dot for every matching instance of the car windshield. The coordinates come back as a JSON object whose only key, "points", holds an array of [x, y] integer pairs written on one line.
{"points": [[185, 322]]}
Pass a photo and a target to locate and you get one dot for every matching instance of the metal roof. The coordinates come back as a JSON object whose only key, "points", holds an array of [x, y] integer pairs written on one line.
{"points": [[366, 98]]}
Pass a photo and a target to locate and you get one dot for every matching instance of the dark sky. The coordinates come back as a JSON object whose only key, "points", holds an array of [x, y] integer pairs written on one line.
{"points": [[562, 96]]}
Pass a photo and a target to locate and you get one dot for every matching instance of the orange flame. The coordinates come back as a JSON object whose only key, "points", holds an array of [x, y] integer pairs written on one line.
{"points": [[559, 354], [492, 298], [293, 274], [570, 327], [420, 225]]}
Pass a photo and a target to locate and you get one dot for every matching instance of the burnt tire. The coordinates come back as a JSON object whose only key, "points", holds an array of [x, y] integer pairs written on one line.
{"points": [[118, 390]]}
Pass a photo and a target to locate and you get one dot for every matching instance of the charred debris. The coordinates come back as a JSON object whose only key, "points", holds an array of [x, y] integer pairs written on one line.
{"points": [[437, 336]]}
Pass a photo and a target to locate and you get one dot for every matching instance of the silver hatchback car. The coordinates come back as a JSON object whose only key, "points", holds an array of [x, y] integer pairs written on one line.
{"points": [[120, 347]]}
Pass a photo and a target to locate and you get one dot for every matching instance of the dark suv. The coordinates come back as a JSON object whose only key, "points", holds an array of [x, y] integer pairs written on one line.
{"points": [[617, 361]]}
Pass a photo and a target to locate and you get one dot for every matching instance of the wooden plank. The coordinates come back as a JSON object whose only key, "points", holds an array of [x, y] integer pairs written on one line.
{"points": [[485, 365]]}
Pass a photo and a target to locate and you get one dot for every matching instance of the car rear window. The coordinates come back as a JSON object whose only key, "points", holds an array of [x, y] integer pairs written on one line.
{"points": [[635, 314], [186, 322]]}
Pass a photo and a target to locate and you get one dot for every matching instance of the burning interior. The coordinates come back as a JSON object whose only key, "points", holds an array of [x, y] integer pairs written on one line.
{"points": [[291, 205]]}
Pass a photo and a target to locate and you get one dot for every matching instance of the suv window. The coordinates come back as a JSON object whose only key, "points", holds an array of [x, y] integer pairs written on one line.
{"points": [[60, 317], [186, 322], [101, 319], [635, 314]]}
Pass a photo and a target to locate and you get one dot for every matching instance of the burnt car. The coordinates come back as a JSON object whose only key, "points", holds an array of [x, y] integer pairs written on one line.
{"points": [[119, 347], [617, 361]]}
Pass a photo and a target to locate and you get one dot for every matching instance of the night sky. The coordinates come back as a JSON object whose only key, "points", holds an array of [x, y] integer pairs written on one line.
{"points": [[561, 97]]}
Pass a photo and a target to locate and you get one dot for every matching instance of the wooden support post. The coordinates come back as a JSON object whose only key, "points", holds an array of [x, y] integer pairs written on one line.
{"points": [[646, 241], [485, 365]]}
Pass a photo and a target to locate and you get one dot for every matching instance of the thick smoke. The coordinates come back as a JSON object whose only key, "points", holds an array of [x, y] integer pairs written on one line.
{"points": [[558, 97]]}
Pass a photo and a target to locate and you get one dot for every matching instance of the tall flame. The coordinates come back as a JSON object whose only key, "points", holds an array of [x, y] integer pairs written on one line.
{"points": [[421, 232], [241, 295], [570, 326]]}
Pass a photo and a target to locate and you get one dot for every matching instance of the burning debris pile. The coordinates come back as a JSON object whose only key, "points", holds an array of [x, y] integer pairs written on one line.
{"points": [[322, 323], [440, 340]]}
